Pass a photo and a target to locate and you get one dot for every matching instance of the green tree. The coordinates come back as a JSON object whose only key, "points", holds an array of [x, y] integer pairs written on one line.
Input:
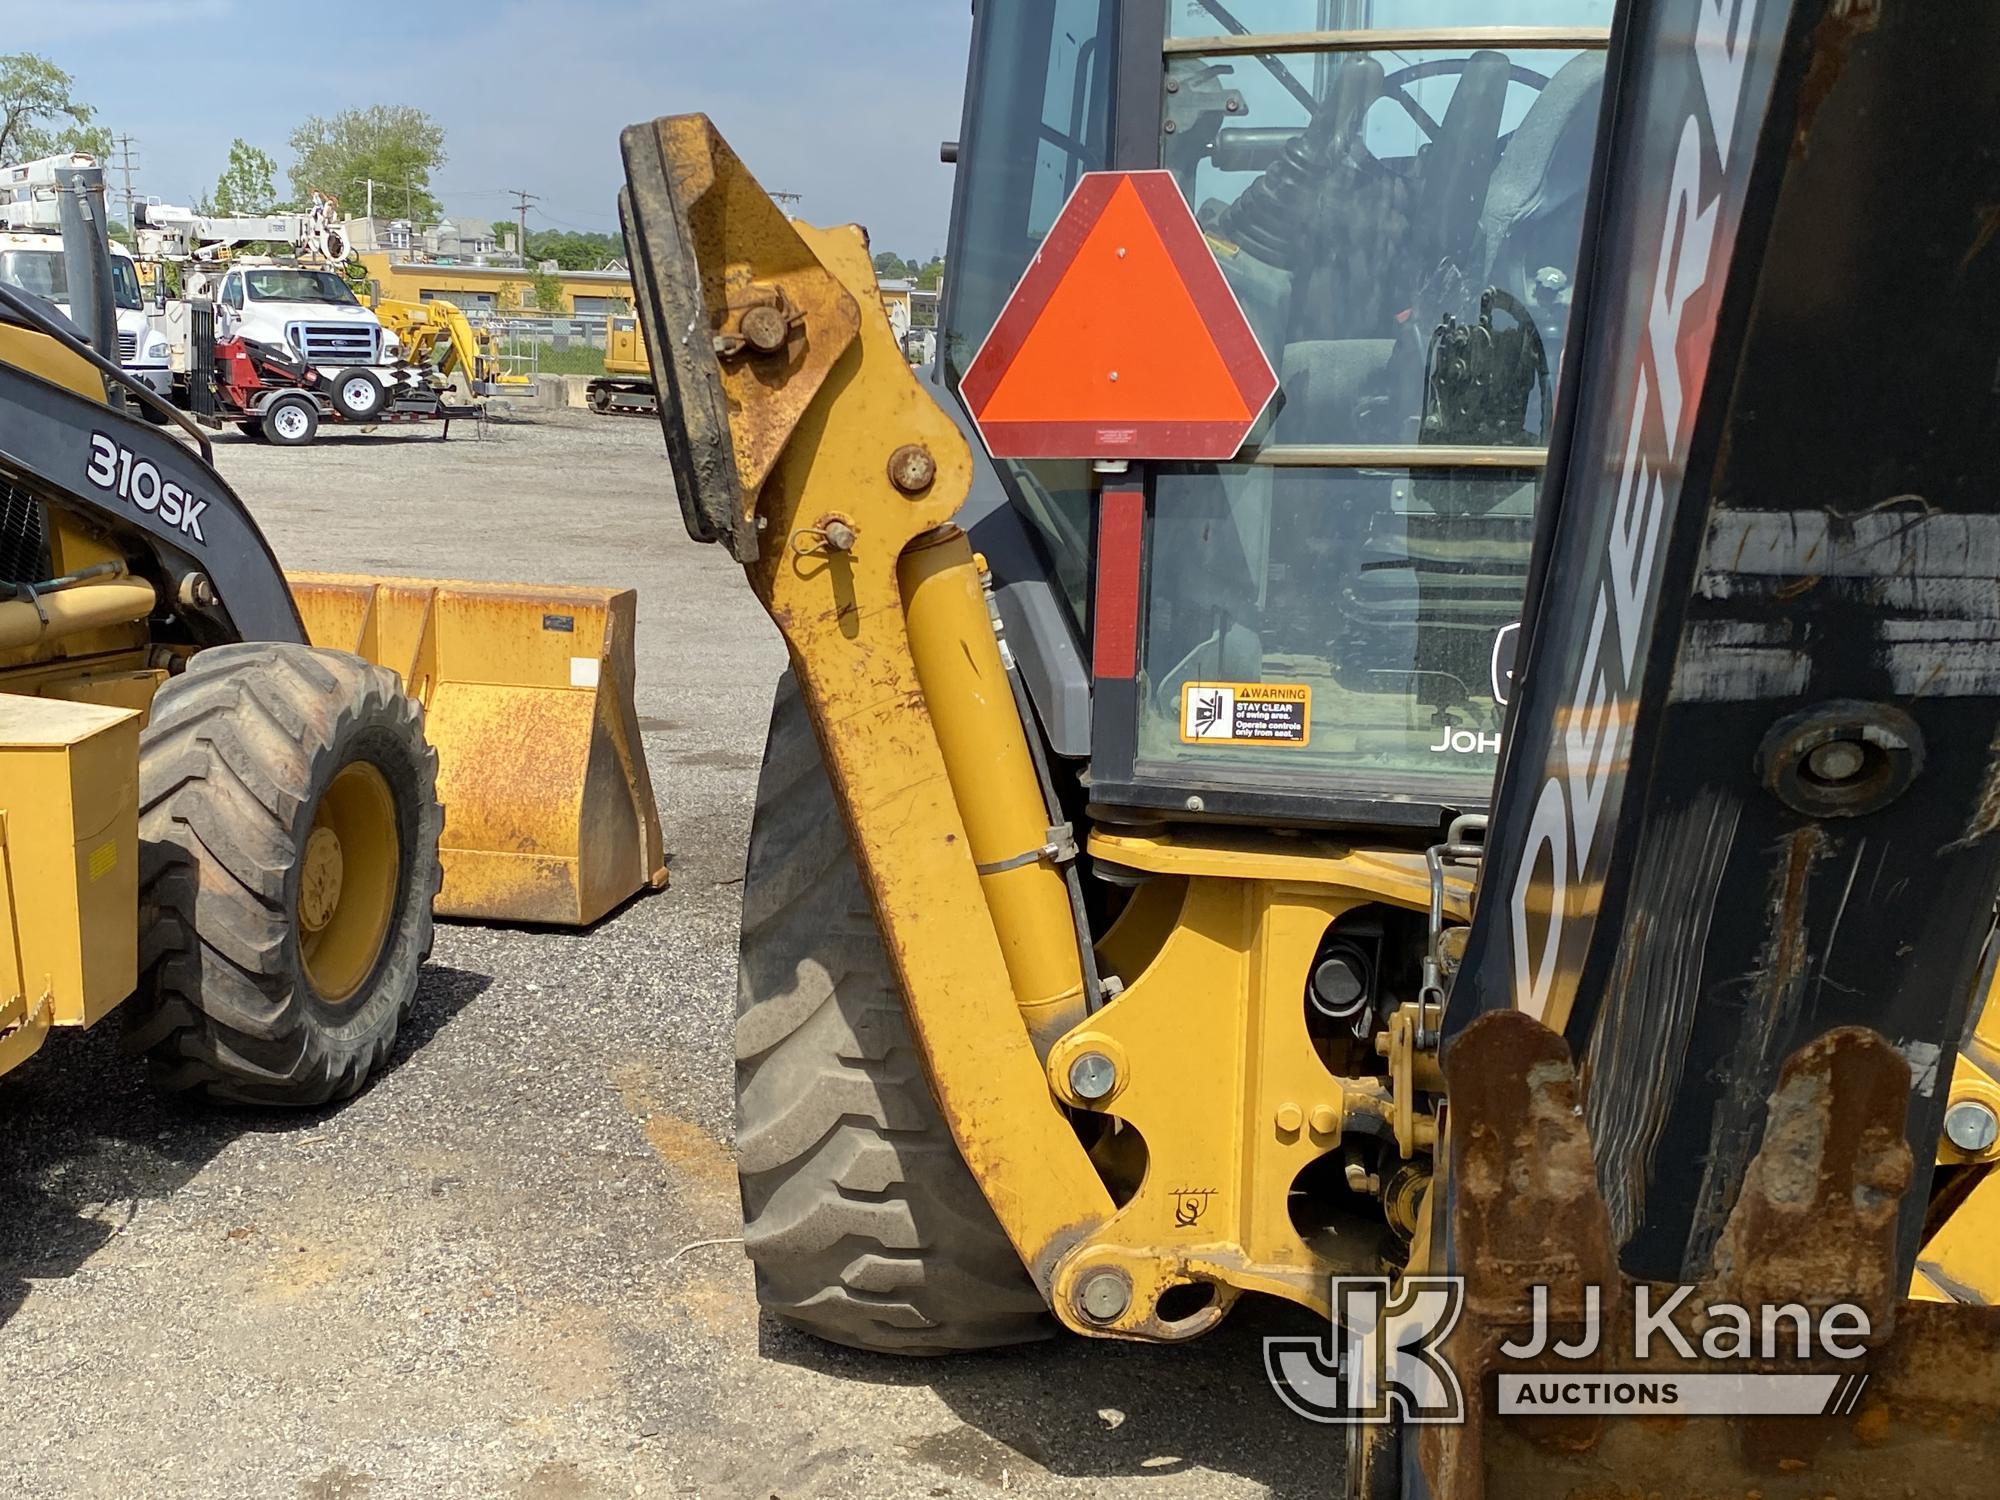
{"points": [[574, 250], [889, 266], [548, 292], [38, 114], [247, 184], [931, 276], [396, 145]]}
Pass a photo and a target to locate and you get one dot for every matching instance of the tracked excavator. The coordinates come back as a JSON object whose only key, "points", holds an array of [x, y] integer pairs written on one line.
{"points": [[230, 798], [626, 387]]}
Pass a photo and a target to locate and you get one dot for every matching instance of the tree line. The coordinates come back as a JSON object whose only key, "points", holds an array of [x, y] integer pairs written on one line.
{"points": [[890, 266]]}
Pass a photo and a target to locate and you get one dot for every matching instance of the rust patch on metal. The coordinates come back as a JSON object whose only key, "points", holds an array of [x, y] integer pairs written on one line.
{"points": [[1833, 38], [1816, 1219], [1777, 988], [1989, 226], [1788, 956], [1986, 814], [1814, 1225]]}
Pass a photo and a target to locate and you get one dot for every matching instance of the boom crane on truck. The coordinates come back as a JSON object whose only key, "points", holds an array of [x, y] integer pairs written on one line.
{"points": [[169, 232], [1058, 1009]]}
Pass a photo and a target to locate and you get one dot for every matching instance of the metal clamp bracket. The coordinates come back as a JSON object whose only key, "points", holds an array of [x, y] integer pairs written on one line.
{"points": [[1059, 850]]}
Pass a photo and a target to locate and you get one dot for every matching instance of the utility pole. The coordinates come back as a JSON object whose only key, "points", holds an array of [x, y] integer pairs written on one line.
{"points": [[521, 209], [371, 198], [125, 165]]}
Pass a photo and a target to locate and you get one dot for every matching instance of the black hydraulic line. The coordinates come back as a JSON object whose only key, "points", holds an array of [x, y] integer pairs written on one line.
{"points": [[67, 581]]}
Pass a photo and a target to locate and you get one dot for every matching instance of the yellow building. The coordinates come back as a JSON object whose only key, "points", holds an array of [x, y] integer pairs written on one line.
{"points": [[494, 288]]}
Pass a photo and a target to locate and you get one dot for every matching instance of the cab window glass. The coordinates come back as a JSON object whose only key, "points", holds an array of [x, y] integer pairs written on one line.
{"points": [[1191, 18], [1039, 118], [1400, 227]]}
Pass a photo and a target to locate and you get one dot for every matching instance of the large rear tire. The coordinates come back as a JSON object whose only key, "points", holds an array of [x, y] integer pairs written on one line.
{"points": [[288, 831], [864, 1224]]}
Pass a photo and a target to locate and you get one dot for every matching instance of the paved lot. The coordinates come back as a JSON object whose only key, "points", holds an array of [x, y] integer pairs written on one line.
{"points": [[475, 1280]]}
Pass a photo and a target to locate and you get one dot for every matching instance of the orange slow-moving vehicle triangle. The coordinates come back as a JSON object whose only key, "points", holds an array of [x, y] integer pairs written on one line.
{"points": [[1123, 340], [1120, 337]]}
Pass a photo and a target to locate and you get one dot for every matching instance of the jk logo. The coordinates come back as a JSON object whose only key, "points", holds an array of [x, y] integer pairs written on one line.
{"points": [[1381, 1361]]}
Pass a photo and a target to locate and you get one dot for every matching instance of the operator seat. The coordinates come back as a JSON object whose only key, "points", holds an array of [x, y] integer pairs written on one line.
{"points": [[1367, 264], [1533, 215], [1429, 584]]}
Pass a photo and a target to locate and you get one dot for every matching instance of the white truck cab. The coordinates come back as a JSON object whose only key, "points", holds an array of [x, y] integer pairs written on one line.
{"points": [[311, 311], [34, 263]]}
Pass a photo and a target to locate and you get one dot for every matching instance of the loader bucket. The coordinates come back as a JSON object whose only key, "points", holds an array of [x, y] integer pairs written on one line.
{"points": [[1913, 1410], [528, 700]]}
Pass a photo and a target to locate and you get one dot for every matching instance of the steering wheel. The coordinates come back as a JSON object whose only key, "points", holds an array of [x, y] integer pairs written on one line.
{"points": [[1460, 152], [1395, 86]]}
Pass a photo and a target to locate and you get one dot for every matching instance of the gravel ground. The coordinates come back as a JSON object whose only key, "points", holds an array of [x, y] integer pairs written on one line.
{"points": [[486, 1276]]}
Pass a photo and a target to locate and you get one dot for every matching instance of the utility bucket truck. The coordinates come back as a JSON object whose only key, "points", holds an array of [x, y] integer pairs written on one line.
{"points": [[31, 259], [279, 344]]}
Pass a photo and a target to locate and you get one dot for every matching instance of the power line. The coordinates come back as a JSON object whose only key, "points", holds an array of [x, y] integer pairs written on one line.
{"points": [[566, 224]]}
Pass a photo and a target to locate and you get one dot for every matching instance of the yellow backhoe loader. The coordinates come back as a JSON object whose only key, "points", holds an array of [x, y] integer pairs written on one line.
{"points": [[1507, 846], [231, 801]]}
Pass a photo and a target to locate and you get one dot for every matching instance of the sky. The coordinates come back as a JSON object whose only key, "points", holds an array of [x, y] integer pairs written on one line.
{"points": [[841, 102]]}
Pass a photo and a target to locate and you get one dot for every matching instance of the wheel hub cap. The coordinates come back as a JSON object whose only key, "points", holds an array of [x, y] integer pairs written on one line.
{"points": [[348, 878], [319, 883]]}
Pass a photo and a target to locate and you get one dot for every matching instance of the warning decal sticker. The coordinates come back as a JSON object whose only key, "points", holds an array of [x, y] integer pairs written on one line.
{"points": [[1245, 713]]}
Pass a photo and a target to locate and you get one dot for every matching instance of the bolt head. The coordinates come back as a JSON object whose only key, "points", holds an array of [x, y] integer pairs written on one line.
{"points": [[1325, 1119], [911, 468], [1195, 804], [1836, 760], [1971, 1125], [1104, 1296], [1092, 1076], [766, 329], [1290, 1117]]}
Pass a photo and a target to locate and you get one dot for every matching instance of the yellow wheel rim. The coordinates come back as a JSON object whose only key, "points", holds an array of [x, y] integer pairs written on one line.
{"points": [[347, 882]]}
